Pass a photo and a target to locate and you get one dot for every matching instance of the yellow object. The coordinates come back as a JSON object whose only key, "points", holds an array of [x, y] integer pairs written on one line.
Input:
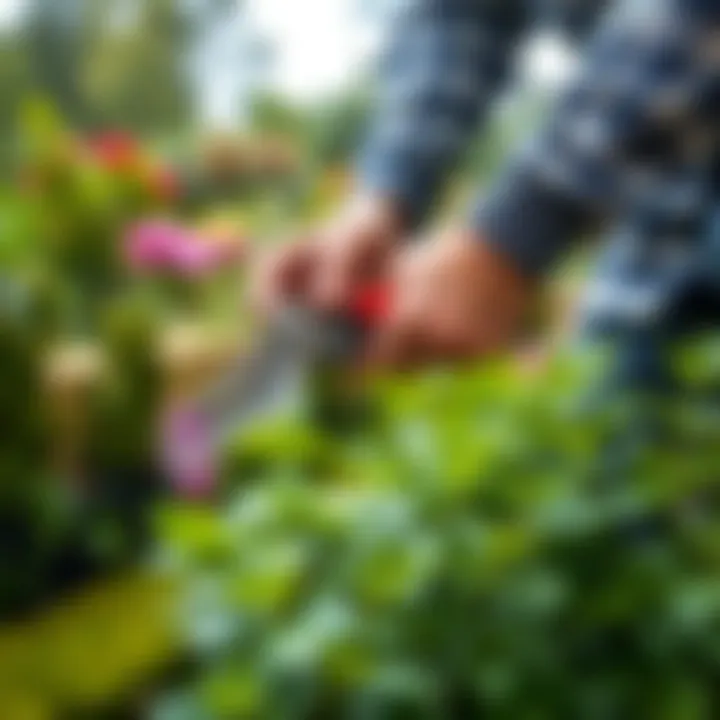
{"points": [[87, 651]]}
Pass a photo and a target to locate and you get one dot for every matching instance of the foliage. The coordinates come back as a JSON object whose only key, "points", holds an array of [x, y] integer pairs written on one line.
{"points": [[29, 528], [60, 528], [15, 79], [123, 427], [110, 62], [481, 546], [56, 41], [270, 113], [337, 127], [136, 77], [74, 197], [60, 273], [80, 656]]}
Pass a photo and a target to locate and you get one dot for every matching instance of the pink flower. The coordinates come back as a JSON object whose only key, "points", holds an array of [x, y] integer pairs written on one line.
{"points": [[187, 454], [163, 246]]}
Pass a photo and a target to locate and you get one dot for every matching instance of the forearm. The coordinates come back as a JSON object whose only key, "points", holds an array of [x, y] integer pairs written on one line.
{"points": [[639, 117], [446, 61]]}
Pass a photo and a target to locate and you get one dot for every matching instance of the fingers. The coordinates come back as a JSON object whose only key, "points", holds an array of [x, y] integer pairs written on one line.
{"points": [[324, 270], [414, 333], [350, 257], [418, 337], [319, 272], [452, 301], [281, 274], [356, 248], [335, 277], [399, 344]]}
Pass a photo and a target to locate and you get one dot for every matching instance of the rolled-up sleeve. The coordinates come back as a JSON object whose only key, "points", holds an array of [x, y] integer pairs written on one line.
{"points": [[445, 62], [645, 108]]}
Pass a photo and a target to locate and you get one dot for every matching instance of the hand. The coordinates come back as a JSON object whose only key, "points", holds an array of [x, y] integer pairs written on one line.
{"points": [[454, 298], [324, 267]]}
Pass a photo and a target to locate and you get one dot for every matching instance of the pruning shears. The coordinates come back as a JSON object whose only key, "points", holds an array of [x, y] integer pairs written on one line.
{"points": [[263, 382]]}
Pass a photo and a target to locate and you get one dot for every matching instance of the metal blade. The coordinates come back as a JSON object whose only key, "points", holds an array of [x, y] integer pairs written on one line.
{"points": [[256, 385], [269, 381]]}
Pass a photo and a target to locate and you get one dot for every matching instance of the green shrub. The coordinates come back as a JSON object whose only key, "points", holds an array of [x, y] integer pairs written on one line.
{"points": [[31, 512], [70, 205], [481, 548], [62, 527]]}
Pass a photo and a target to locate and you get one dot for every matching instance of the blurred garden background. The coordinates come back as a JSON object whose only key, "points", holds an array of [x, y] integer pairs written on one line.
{"points": [[455, 544]]}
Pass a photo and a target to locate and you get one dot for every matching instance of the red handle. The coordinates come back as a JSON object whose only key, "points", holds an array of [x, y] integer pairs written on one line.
{"points": [[371, 304]]}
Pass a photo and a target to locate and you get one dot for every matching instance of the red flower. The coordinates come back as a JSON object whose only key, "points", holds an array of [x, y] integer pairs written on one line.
{"points": [[116, 151]]}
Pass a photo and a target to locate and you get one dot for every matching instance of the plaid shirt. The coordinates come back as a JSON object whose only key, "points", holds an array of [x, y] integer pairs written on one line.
{"points": [[633, 136]]}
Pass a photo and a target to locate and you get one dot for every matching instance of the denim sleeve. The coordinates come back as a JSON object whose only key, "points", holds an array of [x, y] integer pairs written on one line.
{"points": [[445, 62], [644, 112]]}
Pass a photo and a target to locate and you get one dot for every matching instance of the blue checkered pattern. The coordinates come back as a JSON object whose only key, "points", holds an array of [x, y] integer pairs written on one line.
{"points": [[635, 136]]}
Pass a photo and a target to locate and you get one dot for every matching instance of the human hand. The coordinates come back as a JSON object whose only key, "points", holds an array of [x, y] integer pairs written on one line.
{"points": [[324, 267], [453, 298]]}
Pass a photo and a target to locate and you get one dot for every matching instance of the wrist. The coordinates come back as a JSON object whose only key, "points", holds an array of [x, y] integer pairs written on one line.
{"points": [[529, 221], [492, 266]]}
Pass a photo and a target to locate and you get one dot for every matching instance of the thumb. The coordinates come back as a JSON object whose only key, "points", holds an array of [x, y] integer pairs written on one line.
{"points": [[336, 277]]}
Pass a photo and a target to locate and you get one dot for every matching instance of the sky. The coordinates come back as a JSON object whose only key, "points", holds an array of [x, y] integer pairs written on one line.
{"points": [[320, 43], [10, 11]]}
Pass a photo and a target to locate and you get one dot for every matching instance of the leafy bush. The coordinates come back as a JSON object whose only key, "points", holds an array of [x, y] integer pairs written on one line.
{"points": [[61, 526], [78, 194], [26, 514], [69, 513], [481, 547]]}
